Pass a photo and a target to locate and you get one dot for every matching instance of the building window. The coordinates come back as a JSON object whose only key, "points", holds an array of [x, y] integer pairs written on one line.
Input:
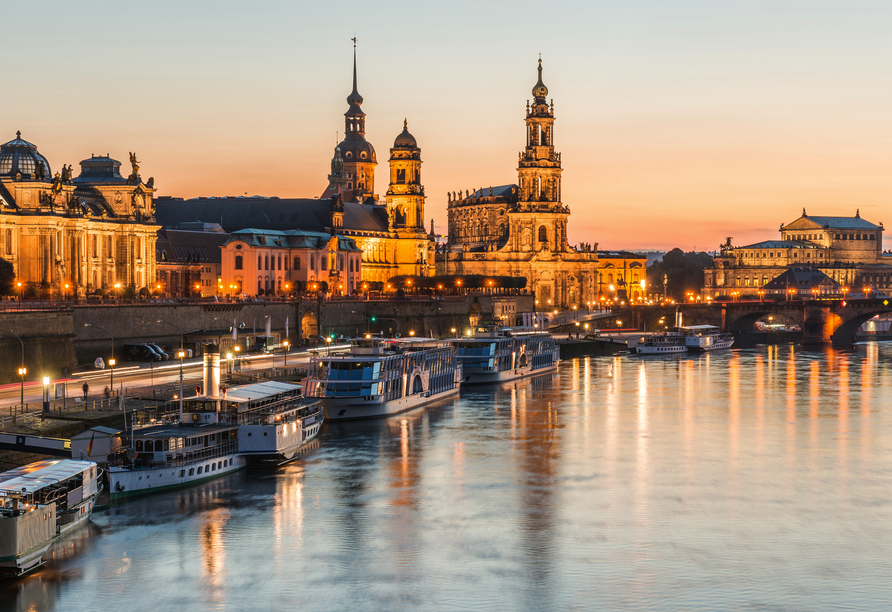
{"points": [[9, 242], [324, 262], [280, 261], [238, 262], [260, 262], [351, 265], [543, 234], [312, 262], [401, 176], [266, 262], [340, 262], [296, 263]]}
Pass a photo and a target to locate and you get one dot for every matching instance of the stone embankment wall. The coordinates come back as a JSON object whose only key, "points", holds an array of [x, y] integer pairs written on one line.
{"points": [[56, 342]]}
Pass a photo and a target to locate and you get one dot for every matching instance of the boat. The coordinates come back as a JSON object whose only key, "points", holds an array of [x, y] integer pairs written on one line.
{"points": [[496, 353], [216, 434], [705, 338], [658, 344], [39, 503], [381, 377]]}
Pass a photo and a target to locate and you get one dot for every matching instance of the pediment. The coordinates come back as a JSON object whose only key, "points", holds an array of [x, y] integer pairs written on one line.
{"points": [[803, 223]]}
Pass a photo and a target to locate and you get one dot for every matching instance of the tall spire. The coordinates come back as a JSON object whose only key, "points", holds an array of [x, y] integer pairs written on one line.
{"points": [[354, 99]]}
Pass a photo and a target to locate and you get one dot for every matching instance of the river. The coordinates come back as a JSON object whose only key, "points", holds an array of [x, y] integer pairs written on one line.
{"points": [[741, 480]]}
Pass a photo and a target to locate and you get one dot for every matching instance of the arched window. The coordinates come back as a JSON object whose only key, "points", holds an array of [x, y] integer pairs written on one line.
{"points": [[610, 278], [260, 262], [296, 264], [266, 261], [238, 262], [312, 262], [634, 278], [543, 234], [351, 264], [340, 262], [280, 262], [259, 286], [324, 261]]}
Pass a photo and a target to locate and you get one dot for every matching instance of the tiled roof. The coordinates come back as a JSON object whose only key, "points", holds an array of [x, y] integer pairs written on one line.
{"points": [[235, 214], [854, 223], [780, 244]]}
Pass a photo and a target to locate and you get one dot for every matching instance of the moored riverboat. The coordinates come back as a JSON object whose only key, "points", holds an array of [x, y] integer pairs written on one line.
{"points": [[218, 433], [380, 377], [497, 354], [658, 344], [39, 503], [705, 338]]}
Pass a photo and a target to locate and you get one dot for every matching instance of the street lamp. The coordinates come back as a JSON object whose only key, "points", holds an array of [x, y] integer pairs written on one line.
{"points": [[229, 363], [181, 354], [286, 343], [453, 332], [22, 370], [328, 345], [46, 394], [21, 292], [111, 363], [111, 360]]}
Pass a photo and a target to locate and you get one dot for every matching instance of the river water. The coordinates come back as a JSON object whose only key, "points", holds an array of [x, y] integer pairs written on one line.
{"points": [[741, 480]]}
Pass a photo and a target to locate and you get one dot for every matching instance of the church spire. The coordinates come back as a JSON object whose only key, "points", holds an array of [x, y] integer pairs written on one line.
{"points": [[354, 117], [540, 91]]}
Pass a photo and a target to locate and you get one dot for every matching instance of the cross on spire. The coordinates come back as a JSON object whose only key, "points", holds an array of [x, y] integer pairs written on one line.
{"points": [[354, 44]]}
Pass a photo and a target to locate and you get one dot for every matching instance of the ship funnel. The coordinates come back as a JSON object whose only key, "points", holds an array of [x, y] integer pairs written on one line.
{"points": [[212, 370]]}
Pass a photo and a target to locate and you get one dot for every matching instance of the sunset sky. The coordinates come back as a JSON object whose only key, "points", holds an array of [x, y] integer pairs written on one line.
{"points": [[679, 123]]}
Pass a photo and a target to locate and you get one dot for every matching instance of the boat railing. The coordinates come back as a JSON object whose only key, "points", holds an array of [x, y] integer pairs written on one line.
{"points": [[118, 457]]}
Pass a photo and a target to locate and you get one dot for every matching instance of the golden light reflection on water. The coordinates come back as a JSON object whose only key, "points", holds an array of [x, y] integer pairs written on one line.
{"points": [[814, 404], [759, 402], [213, 553], [790, 395], [843, 412], [734, 410]]}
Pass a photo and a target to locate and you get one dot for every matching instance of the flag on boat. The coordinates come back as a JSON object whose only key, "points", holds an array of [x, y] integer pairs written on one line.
{"points": [[90, 446]]}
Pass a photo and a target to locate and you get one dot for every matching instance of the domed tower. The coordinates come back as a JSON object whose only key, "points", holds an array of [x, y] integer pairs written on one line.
{"points": [[359, 154], [338, 179], [405, 194], [539, 173], [20, 160]]}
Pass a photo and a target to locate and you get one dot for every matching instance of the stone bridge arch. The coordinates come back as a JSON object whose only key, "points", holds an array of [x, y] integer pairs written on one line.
{"points": [[842, 329]]}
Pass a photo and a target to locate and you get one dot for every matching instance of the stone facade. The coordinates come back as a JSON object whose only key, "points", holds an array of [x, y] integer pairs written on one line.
{"points": [[263, 262], [69, 236], [847, 249], [521, 230]]}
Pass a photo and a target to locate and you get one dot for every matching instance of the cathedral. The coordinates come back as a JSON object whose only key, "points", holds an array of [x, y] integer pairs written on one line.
{"points": [[390, 232], [521, 230], [70, 236]]}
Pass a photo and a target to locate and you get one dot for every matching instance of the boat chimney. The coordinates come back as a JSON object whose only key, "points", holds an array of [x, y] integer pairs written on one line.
{"points": [[212, 370]]}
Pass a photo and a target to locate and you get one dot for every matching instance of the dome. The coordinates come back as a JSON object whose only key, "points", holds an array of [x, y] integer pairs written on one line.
{"points": [[21, 157], [405, 139], [357, 150], [540, 91]]}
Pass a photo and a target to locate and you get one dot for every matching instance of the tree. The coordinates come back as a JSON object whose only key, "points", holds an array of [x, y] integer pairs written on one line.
{"points": [[7, 277], [683, 271]]}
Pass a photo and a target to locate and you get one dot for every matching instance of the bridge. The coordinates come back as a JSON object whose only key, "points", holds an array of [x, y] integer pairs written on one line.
{"points": [[822, 321]]}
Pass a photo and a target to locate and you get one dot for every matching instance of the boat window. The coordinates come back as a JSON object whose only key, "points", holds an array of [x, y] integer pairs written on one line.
{"points": [[214, 466], [192, 471], [150, 445], [182, 473], [199, 469], [139, 445], [220, 464]]}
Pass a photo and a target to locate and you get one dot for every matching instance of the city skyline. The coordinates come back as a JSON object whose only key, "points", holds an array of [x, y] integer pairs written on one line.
{"points": [[677, 127]]}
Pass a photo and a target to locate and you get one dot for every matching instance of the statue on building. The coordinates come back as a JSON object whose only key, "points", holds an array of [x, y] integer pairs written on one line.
{"points": [[134, 164], [151, 182], [66, 173], [47, 200], [57, 184], [40, 171]]}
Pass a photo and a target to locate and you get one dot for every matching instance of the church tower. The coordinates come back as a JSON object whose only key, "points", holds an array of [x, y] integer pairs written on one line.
{"points": [[359, 159], [405, 194], [539, 174]]}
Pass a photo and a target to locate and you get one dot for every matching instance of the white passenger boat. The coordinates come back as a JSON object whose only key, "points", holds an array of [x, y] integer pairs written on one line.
{"points": [[705, 338], [39, 503], [382, 377], [658, 344], [218, 433], [497, 354]]}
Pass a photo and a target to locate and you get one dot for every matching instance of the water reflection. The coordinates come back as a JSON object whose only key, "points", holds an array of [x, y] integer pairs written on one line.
{"points": [[619, 483]]}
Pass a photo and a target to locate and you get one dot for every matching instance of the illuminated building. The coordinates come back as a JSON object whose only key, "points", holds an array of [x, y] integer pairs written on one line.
{"points": [[521, 230], [265, 262], [390, 232], [70, 236], [847, 249]]}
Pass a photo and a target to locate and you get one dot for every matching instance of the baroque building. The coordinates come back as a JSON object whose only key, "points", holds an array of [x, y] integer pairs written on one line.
{"points": [[521, 230], [390, 232], [71, 236], [847, 249]]}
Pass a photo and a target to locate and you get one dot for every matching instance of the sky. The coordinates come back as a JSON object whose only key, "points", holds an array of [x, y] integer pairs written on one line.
{"points": [[680, 123]]}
